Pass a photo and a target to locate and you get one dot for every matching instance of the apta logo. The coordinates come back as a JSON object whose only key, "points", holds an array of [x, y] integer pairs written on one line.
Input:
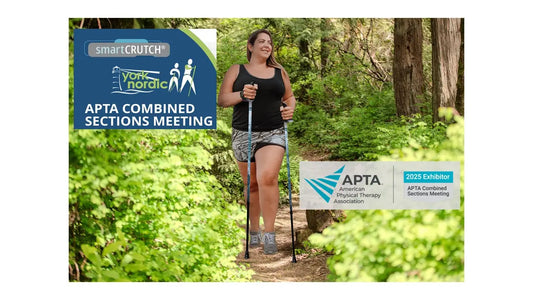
{"points": [[325, 186], [135, 81]]}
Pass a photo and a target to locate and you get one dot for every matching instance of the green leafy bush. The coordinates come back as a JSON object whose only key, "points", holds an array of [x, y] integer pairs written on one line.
{"points": [[294, 161], [407, 245], [225, 165], [144, 207], [363, 126]]}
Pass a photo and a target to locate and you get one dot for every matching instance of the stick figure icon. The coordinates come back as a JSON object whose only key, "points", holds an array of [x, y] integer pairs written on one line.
{"points": [[187, 77], [175, 79]]}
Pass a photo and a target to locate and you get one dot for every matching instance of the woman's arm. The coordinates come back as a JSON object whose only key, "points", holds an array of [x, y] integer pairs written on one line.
{"points": [[288, 97], [226, 96]]}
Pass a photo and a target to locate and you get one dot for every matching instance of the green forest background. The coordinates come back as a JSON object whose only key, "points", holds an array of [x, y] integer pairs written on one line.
{"points": [[164, 205]]}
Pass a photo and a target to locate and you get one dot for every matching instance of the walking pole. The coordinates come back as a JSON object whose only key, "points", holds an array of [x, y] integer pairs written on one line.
{"points": [[246, 253], [289, 183]]}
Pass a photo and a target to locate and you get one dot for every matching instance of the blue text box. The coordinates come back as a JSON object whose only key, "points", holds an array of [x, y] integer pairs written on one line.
{"points": [[428, 177]]}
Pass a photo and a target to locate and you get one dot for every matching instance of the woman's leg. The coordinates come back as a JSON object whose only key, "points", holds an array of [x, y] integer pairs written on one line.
{"points": [[267, 165], [255, 209]]}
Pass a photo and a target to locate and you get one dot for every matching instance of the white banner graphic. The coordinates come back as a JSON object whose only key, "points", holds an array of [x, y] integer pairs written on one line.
{"points": [[379, 185]]}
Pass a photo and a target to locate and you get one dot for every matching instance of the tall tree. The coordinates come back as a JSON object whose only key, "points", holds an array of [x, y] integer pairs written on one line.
{"points": [[407, 72], [325, 44], [446, 48], [460, 102]]}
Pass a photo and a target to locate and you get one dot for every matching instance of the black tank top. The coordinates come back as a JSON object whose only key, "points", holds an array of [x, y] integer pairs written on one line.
{"points": [[266, 115]]}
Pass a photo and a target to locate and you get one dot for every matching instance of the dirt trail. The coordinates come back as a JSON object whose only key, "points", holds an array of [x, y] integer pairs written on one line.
{"points": [[310, 265]]}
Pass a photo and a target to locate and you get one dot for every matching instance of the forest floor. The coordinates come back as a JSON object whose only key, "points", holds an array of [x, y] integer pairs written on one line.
{"points": [[310, 264]]}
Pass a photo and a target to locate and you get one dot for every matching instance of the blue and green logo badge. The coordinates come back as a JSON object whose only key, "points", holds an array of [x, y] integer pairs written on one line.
{"points": [[325, 186], [144, 79]]}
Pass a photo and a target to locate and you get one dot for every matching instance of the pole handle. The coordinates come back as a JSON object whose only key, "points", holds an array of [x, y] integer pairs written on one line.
{"points": [[246, 99], [289, 120]]}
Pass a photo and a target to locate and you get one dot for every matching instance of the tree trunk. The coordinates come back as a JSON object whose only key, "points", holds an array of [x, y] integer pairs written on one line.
{"points": [[305, 66], [460, 102], [318, 220], [446, 43], [325, 45], [407, 72]]}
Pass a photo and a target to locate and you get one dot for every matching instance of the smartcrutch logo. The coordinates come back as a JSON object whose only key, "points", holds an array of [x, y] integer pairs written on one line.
{"points": [[325, 186]]}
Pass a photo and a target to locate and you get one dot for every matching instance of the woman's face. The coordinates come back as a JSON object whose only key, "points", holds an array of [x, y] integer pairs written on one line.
{"points": [[262, 46]]}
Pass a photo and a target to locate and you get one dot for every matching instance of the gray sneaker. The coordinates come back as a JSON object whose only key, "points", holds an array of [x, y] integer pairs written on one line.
{"points": [[255, 239], [269, 243]]}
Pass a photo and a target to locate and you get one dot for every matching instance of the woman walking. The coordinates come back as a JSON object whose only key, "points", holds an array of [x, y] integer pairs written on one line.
{"points": [[271, 87]]}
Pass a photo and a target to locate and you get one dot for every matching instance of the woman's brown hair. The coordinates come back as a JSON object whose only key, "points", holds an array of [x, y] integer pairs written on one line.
{"points": [[271, 61]]}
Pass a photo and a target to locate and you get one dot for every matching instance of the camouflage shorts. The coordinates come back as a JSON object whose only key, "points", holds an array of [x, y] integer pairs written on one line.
{"points": [[260, 139]]}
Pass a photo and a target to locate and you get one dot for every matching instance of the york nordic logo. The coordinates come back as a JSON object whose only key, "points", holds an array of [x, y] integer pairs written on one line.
{"points": [[132, 81], [135, 81], [325, 186]]}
